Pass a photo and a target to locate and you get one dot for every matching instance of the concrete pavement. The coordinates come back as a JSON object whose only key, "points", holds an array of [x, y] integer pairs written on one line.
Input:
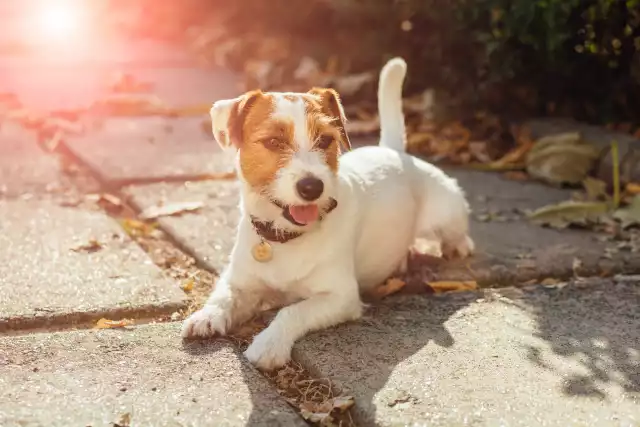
{"points": [[565, 355]]}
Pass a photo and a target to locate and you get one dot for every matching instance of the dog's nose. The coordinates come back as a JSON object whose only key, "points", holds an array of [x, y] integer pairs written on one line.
{"points": [[310, 188]]}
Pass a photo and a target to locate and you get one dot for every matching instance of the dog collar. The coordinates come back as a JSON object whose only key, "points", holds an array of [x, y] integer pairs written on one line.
{"points": [[268, 233]]}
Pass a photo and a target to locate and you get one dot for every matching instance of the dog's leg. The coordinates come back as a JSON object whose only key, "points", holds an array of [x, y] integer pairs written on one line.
{"points": [[339, 303], [444, 215], [230, 304]]}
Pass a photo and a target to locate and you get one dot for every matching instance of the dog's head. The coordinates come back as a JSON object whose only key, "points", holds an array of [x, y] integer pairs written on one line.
{"points": [[288, 147]]}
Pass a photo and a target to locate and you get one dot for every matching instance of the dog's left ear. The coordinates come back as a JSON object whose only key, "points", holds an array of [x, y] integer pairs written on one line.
{"points": [[228, 116], [332, 107]]}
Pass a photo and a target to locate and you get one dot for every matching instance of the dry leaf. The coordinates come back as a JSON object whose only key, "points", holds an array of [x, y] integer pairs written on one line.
{"points": [[633, 188], [92, 246], [342, 403], [561, 158], [595, 188], [629, 215], [137, 228], [112, 324], [453, 286], [321, 418], [130, 105], [187, 286], [171, 209], [569, 213], [124, 421], [391, 286]]}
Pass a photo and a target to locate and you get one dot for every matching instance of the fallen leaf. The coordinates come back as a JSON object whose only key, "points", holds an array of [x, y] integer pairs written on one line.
{"points": [[322, 418], [561, 158], [187, 286], [630, 214], [108, 202], [595, 188], [391, 286], [453, 286], [342, 403], [112, 324], [632, 188], [569, 213], [171, 209], [137, 228], [130, 105], [516, 175], [92, 246], [124, 420]]}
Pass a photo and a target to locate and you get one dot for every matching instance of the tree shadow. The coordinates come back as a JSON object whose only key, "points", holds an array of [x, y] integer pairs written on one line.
{"points": [[405, 323], [267, 408], [590, 333]]}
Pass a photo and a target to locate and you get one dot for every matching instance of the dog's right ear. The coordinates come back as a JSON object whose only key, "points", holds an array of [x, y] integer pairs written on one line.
{"points": [[228, 116]]}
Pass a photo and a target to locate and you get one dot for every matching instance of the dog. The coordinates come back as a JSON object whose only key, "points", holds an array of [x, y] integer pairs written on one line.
{"points": [[321, 223]]}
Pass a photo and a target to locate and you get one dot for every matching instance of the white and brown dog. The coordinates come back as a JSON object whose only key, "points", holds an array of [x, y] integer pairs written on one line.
{"points": [[317, 227]]}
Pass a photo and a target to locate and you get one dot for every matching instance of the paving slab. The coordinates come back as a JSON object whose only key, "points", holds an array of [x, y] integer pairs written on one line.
{"points": [[207, 234], [126, 150], [93, 378], [58, 86], [510, 249], [24, 167], [628, 146], [539, 357], [66, 264]]}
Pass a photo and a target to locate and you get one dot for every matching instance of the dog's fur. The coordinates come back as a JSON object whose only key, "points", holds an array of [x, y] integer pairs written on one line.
{"points": [[386, 199]]}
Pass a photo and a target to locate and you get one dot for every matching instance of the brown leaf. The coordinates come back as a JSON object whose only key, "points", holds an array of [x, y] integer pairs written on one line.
{"points": [[453, 286], [124, 420], [595, 188], [561, 158], [112, 324], [92, 246], [187, 286], [391, 286], [632, 188], [342, 403], [171, 209], [137, 228]]}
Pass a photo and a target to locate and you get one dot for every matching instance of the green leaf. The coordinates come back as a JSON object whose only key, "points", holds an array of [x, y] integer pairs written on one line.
{"points": [[569, 213]]}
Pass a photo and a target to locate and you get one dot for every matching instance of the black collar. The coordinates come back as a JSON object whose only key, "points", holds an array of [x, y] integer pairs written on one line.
{"points": [[267, 231]]}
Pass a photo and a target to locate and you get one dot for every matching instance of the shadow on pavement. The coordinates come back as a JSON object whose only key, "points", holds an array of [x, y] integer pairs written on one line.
{"points": [[595, 330]]}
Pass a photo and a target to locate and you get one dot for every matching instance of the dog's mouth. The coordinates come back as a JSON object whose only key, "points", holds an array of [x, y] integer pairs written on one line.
{"points": [[301, 214]]}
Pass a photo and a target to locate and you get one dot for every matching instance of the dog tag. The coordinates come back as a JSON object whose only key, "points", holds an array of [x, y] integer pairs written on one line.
{"points": [[262, 252]]}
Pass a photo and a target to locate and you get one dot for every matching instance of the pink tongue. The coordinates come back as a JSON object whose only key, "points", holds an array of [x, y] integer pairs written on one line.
{"points": [[304, 214]]}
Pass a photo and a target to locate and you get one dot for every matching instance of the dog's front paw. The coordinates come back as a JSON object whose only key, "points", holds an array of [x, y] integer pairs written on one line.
{"points": [[269, 351], [209, 321], [461, 248]]}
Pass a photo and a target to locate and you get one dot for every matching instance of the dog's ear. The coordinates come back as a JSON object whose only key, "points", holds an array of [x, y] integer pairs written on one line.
{"points": [[228, 116], [332, 107]]}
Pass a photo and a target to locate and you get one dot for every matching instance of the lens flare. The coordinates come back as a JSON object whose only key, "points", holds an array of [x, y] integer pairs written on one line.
{"points": [[60, 19]]}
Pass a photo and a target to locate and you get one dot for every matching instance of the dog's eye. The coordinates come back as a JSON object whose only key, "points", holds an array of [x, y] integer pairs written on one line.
{"points": [[273, 144], [324, 142]]}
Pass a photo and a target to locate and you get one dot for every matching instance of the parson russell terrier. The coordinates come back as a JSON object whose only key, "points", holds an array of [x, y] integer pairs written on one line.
{"points": [[318, 227]]}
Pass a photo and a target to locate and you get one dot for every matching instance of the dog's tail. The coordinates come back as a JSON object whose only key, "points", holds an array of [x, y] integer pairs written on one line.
{"points": [[392, 127]]}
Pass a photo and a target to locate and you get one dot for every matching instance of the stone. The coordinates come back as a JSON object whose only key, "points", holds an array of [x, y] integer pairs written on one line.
{"points": [[628, 146], [146, 374], [552, 356], [70, 265], [207, 234], [510, 249], [24, 167], [139, 149]]}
